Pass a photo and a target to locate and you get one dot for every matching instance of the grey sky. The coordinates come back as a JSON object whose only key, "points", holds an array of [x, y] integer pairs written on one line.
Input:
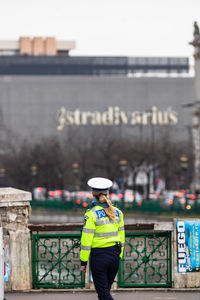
{"points": [[106, 27]]}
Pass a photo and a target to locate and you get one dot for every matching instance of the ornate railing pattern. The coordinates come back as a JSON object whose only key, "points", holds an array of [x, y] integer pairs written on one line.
{"points": [[147, 260], [56, 262]]}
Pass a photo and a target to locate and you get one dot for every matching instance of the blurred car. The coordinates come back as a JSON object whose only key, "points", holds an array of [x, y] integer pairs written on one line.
{"points": [[114, 197], [55, 195], [82, 198], [129, 196], [138, 198], [175, 199], [179, 201], [66, 195], [192, 201], [167, 199], [39, 193]]}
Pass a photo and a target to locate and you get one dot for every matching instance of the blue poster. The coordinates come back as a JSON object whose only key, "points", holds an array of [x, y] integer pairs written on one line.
{"points": [[188, 246], [7, 272]]}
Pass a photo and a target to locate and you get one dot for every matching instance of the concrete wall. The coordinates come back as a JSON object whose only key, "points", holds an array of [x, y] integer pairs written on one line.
{"points": [[15, 211]]}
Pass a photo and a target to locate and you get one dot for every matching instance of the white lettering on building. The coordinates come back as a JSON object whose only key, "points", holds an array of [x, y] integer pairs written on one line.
{"points": [[114, 116]]}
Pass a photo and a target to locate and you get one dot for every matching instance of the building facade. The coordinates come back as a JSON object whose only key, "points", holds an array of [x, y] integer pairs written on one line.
{"points": [[44, 92], [43, 106]]}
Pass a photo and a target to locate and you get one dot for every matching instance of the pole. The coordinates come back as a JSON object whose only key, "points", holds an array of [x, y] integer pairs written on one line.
{"points": [[1, 265], [123, 167], [196, 114]]}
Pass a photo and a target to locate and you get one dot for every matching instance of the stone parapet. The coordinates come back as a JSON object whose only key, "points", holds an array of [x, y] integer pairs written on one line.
{"points": [[10, 195], [15, 211]]}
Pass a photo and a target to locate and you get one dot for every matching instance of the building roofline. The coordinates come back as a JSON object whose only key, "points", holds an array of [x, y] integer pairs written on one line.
{"points": [[14, 45]]}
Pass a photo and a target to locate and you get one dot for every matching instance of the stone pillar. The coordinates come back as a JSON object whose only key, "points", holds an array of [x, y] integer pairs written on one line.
{"points": [[196, 110], [15, 211]]}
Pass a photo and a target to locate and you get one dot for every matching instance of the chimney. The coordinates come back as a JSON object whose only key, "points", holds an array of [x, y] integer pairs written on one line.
{"points": [[25, 46], [50, 46], [38, 46]]}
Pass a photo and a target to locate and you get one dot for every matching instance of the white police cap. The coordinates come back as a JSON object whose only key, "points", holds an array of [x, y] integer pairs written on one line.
{"points": [[99, 184]]}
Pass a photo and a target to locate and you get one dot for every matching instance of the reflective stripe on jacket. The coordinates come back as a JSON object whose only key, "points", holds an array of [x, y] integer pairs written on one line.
{"points": [[99, 231]]}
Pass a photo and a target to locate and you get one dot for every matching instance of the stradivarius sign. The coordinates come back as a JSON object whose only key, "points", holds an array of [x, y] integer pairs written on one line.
{"points": [[114, 116]]}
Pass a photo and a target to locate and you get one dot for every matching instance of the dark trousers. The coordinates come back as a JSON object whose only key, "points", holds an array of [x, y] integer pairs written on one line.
{"points": [[104, 264]]}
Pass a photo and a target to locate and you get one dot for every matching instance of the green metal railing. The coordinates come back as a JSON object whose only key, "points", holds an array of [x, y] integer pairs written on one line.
{"points": [[53, 204], [56, 262], [146, 261]]}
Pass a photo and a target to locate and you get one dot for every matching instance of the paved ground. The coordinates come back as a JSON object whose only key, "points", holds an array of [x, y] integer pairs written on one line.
{"points": [[125, 295]]}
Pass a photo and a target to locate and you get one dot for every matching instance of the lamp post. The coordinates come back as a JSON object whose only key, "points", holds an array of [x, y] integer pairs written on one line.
{"points": [[34, 170], [123, 164], [184, 166], [196, 114], [2, 176], [75, 168], [194, 134]]}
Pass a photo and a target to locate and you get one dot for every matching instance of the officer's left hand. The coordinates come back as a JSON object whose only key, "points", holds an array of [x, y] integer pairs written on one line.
{"points": [[83, 269]]}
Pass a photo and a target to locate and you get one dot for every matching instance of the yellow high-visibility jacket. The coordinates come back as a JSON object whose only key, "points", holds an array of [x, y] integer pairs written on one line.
{"points": [[99, 231]]}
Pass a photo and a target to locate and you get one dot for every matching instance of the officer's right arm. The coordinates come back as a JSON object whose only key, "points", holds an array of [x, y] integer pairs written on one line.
{"points": [[121, 233], [87, 237]]}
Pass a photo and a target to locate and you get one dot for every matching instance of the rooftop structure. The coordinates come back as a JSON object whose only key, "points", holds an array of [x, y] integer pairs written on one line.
{"points": [[36, 46], [47, 56]]}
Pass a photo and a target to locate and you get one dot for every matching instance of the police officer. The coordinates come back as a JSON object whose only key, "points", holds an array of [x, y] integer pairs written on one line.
{"points": [[102, 238]]}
